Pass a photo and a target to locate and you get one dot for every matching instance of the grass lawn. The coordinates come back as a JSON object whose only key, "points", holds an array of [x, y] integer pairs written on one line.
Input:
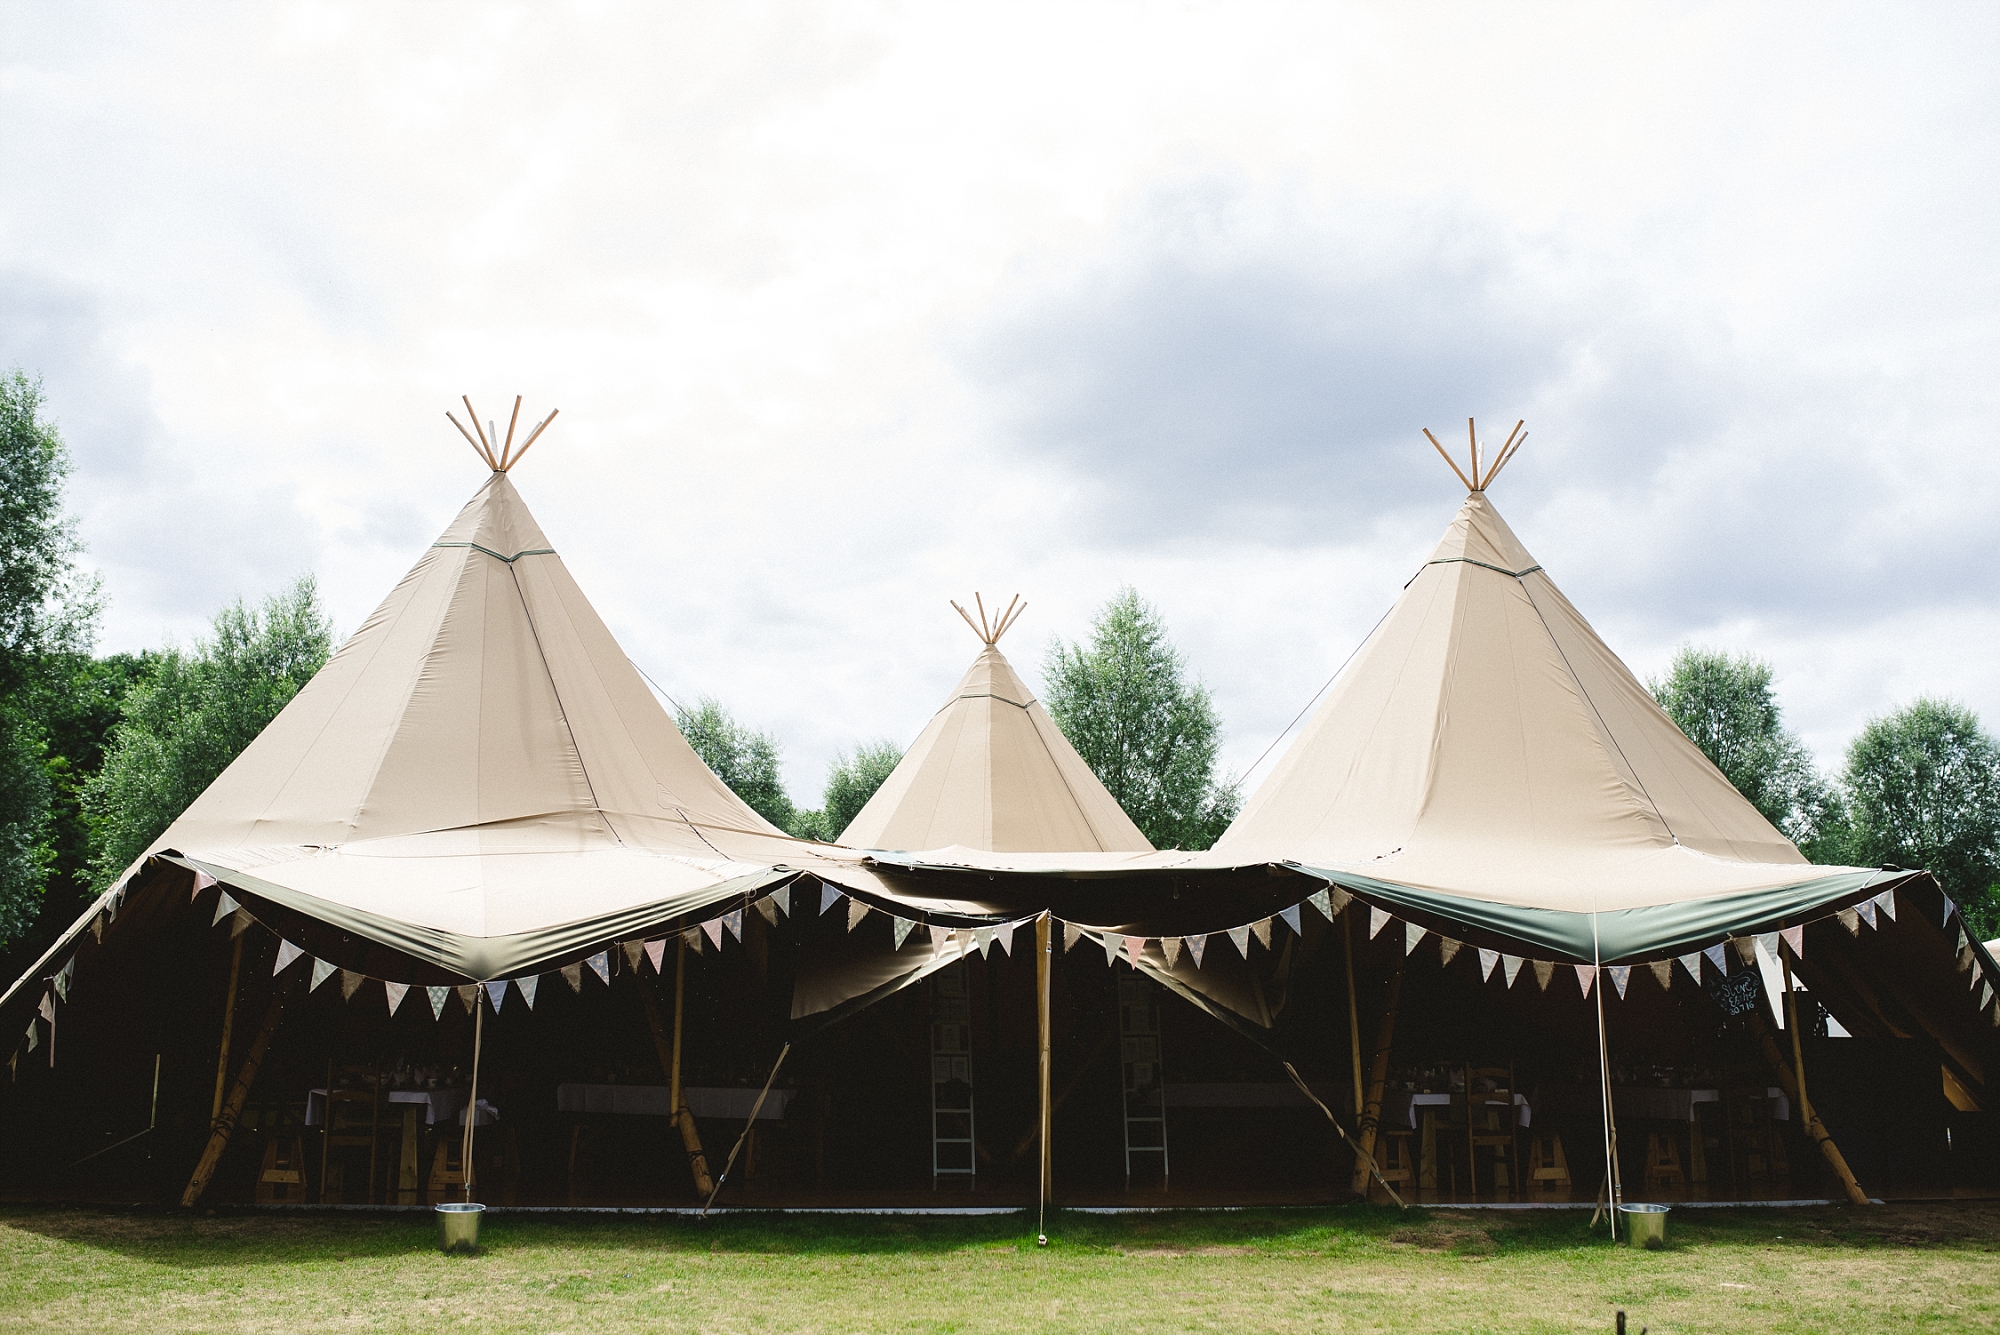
{"points": [[1930, 1268]]}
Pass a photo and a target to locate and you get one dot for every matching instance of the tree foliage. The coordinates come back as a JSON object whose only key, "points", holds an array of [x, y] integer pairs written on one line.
{"points": [[1143, 724], [1924, 785], [1725, 704], [743, 758], [194, 712]]}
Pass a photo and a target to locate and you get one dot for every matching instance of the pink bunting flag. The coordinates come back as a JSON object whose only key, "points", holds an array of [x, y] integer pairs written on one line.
{"points": [[656, 951], [394, 994], [1795, 937], [1133, 946], [712, 929], [1586, 974], [939, 936], [202, 880]]}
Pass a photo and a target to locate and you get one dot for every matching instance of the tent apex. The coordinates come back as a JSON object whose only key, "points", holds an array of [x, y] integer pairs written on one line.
{"points": [[1482, 476], [482, 439], [990, 630]]}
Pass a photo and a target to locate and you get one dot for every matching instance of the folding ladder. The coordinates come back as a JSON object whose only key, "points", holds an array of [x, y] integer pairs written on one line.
{"points": [[952, 1152], [1145, 1089]]}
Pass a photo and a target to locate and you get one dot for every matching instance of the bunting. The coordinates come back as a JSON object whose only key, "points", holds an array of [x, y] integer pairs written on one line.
{"points": [[496, 993], [1716, 957], [1795, 937], [239, 922], [573, 975], [733, 920], [904, 926], [68, 971], [1377, 920], [782, 897], [712, 929], [1195, 945], [321, 972], [656, 951], [287, 952], [1261, 929], [1004, 934], [856, 911], [1850, 921], [1411, 935], [1865, 911], [468, 997], [1510, 966], [350, 983], [1621, 974], [1692, 963], [394, 993], [692, 938], [828, 896], [768, 910], [1663, 974], [1134, 945], [982, 940], [1545, 973], [1487, 959], [1171, 947], [1291, 919], [600, 964], [1321, 901], [1240, 938], [224, 906], [1070, 933], [633, 950], [1586, 974], [939, 935], [528, 986], [437, 996], [1886, 902], [1447, 950]]}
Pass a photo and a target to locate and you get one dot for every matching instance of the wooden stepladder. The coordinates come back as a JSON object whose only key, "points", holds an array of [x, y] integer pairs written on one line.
{"points": [[953, 1145], [1144, 1084]]}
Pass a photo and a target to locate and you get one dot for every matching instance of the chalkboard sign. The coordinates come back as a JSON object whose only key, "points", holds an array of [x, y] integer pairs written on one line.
{"points": [[1736, 994]]}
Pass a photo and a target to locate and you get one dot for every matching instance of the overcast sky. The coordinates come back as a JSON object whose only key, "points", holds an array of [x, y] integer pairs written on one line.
{"points": [[852, 309]]}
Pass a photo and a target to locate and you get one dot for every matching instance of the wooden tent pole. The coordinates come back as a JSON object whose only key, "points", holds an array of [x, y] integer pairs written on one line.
{"points": [[680, 992], [239, 1094], [1808, 1118], [669, 1052], [1371, 1111], [1044, 961], [1353, 1010], [228, 1021]]}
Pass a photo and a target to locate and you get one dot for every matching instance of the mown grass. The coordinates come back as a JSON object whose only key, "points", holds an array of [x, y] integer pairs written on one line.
{"points": [[1929, 1268]]}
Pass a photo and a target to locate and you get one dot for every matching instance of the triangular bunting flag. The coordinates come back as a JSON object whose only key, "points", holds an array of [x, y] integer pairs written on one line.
{"points": [[828, 896], [1112, 943], [856, 911], [350, 983], [1377, 920], [1240, 938], [1261, 929], [1769, 942], [656, 951], [287, 952], [1745, 948], [982, 940], [600, 964], [691, 938], [1411, 935], [712, 929], [733, 920], [437, 996], [1960, 947], [1692, 963], [1950, 912], [1886, 901], [1341, 899], [1134, 946], [321, 972], [468, 997], [1717, 958], [46, 1008], [34, 1036], [528, 986], [1070, 933], [1586, 974], [68, 971], [1621, 974], [224, 906], [904, 926], [1447, 948], [633, 950], [97, 928], [1487, 959], [1985, 995], [573, 975], [767, 910], [202, 880], [1865, 911], [497, 993], [1850, 920], [1172, 946], [939, 935], [1291, 917], [1663, 974], [239, 922], [1004, 934], [1510, 967], [1795, 937], [1196, 945], [394, 993], [782, 897], [1545, 972], [1320, 900], [963, 939]]}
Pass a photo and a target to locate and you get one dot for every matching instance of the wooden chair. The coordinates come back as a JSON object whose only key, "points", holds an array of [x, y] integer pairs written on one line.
{"points": [[1664, 1171], [282, 1176], [353, 1122], [1548, 1167], [1393, 1158], [1491, 1126], [447, 1180]]}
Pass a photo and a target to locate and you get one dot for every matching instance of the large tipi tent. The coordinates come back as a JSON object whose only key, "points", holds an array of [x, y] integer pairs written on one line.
{"points": [[992, 771]]}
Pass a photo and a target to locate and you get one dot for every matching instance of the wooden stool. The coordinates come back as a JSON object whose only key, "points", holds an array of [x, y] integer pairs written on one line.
{"points": [[1663, 1162], [1548, 1167], [1392, 1156], [283, 1175], [447, 1170]]}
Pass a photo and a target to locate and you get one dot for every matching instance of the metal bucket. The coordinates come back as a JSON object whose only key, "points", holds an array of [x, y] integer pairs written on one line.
{"points": [[458, 1226], [1645, 1226]]}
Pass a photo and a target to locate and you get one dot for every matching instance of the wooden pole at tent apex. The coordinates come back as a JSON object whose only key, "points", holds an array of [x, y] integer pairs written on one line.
{"points": [[990, 630], [1807, 1117], [1483, 471], [501, 458], [1371, 1112]]}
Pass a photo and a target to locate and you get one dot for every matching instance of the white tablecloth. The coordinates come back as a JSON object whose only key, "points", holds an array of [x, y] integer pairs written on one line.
{"points": [[1399, 1107], [439, 1105], [653, 1101]]}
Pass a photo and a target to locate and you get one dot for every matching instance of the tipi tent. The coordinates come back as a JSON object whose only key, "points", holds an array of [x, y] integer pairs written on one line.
{"points": [[992, 771]]}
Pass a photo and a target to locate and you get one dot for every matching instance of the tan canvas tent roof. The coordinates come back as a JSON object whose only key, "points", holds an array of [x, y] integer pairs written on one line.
{"points": [[991, 771]]}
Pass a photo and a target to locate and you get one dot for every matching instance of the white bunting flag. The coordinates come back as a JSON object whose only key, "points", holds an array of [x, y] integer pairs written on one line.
{"points": [[321, 972], [1985, 995], [1487, 959], [1621, 974], [1112, 943], [528, 986], [1004, 934], [573, 975], [828, 896], [1133, 946], [1510, 967], [1545, 972], [733, 920], [1377, 920], [782, 897], [1717, 958], [1196, 945], [1850, 920], [633, 950], [656, 951], [1961, 947], [34, 1036], [1261, 929], [46, 1008], [1795, 937], [982, 940], [1886, 901], [1447, 950], [856, 911], [712, 929], [224, 906], [394, 993], [350, 983], [1320, 900], [1240, 938], [1586, 974], [904, 926], [437, 996], [287, 952], [496, 993], [1692, 963], [1291, 917], [1172, 946], [1663, 974], [767, 910], [1411, 935], [1865, 911], [600, 964], [939, 936], [962, 938]]}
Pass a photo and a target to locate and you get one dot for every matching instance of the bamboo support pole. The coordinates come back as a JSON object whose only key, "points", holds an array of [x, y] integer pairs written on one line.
{"points": [[508, 448], [1451, 462], [232, 1107], [228, 1022], [1353, 1009], [669, 1052], [1807, 1117], [1371, 1111]]}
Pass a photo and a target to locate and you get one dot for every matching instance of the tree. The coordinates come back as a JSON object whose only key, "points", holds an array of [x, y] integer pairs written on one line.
{"points": [[746, 760], [1146, 728], [854, 780], [1725, 705], [1924, 783], [183, 723]]}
